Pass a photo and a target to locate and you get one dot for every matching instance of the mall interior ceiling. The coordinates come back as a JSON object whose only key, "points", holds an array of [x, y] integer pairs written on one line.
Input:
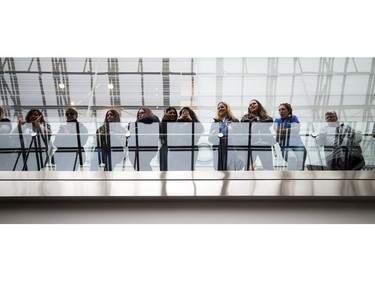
{"points": [[312, 85]]}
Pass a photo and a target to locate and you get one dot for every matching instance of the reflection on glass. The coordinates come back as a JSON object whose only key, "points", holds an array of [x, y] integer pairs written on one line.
{"points": [[187, 147]]}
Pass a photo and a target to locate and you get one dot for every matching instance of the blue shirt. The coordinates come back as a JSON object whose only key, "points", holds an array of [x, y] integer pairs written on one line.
{"points": [[289, 123]]}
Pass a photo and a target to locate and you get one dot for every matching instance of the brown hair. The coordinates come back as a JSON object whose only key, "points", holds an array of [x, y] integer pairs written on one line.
{"points": [[115, 114], [191, 113], [31, 111], [261, 112], [288, 107]]}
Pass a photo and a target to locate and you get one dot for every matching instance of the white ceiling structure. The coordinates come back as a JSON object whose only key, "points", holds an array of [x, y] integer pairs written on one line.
{"points": [[312, 85]]}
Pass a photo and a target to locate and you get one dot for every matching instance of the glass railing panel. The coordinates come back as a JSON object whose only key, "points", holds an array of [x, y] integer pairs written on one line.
{"points": [[171, 147]]}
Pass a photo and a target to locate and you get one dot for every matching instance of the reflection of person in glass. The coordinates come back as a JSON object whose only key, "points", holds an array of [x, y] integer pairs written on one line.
{"points": [[111, 140], [32, 135], [287, 129], [261, 137], [341, 144], [144, 139], [69, 141], [223, 159]]}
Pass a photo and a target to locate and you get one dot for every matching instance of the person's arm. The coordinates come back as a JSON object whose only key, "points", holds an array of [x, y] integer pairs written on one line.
{"points": [[321, 138], [295, 126], [214, 130], [44, 128], [280, 131]]}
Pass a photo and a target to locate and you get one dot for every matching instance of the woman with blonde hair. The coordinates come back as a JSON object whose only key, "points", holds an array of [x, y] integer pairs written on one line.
{"points": [[223, 159]]}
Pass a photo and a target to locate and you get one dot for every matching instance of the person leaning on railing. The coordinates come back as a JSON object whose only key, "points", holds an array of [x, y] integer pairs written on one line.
{"points": [[261, 139], [142, 144], [170, 115], [70, 141], [341, 144], [110, 142], [287, 129], [32, 136], [185, 118], [224, 159]]}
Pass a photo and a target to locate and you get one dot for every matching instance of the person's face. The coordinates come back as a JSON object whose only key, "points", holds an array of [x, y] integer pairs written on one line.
{"points": [[70, 116], [330, 118], [141, 114], [110, 116], [253, 106], [171, 114], [283, 111], [222, 109], [185, 112], [34, 116]]}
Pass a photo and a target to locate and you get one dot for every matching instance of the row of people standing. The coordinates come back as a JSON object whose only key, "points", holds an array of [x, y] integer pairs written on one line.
{"points": [[112, 138], [111, 135], [66, 153], [256, 139], [255, 142]]}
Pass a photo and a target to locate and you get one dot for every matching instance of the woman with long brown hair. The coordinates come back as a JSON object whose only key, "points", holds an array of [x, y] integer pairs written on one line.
{"points": [[111, 142], [260, 137], [143, 142]]}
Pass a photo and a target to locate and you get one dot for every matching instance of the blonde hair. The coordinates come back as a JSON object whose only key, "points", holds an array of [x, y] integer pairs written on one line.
{"points": [[229, 110]]}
